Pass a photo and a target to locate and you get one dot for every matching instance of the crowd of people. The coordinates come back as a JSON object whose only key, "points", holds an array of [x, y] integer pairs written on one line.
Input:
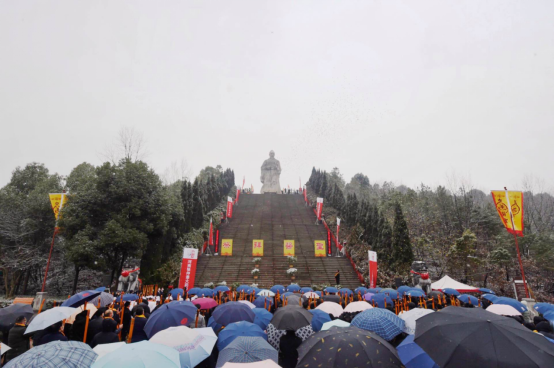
{"points": [[125, 321]]}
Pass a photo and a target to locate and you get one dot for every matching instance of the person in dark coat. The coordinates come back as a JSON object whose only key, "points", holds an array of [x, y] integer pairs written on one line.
{"points": [[138, 329], [288, 350], [17, 339], [126, 319], [53, 333], [78, 327], [95, 325], [108, 334], [337, 277]]}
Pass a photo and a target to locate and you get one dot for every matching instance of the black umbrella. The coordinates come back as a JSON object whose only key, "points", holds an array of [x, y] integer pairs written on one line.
{"points": [[9, 314], [435, 294], [347, 348], [458, 337], [333, 298], [144, 306], [291, 318]]}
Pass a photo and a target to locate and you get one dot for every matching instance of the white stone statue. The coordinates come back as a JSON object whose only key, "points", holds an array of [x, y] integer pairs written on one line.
{"points": [[271, 169]]}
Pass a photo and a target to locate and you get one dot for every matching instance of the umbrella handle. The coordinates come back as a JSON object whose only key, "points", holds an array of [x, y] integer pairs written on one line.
{"points": [[86, 327], [130, 336]]}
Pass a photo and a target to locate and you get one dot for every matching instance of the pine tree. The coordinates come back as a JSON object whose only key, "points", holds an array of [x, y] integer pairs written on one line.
{"points": [[323, 188], [385, 241], [402, 254], [339, 200], [197, 210]]}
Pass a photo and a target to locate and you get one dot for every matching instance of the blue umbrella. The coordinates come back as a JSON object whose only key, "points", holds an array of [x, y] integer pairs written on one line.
{"points": [[466, 298], [238, 329], [512, 302], [221, 289], [361, 290], [293, 288], [174, 314], [403, 289], [319, 293], [451, 291], [247, 350], [214, 325], [277, 288], [417, 289], [381, 321], [379, 300], [346, 291], [256, 290], [543, 307], [143, 354], [207, 292], [413, 356], [331, 290], [306, 289], [233, 312], [194, 291], [242, 287], [374, 290], [390, 292], [177, 291], [320, 317], [262, 301], [490, 297], [80, 298], [56, 354], [263, 317], [486, 290], [285, 295], [101, 289], [415, 293], [127, 297]]}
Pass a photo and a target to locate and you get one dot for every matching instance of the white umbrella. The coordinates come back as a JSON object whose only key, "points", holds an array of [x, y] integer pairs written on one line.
{"points": [[247, 303], [357, 306], [257, 364], [102, 350], [410, 318], [335, 323], [193, 345], [503, 310], [91, 311], [311, 295], [4, 348], [331, 308], [266, 293], [49, 317]]}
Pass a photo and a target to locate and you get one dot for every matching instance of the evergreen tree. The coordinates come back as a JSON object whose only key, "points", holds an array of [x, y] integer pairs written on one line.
{"points": [[323, 187], [338, 200], [402, 254], [198, 208]]}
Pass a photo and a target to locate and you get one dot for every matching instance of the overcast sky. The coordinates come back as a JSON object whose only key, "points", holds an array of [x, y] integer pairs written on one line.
{"points": [[408, 92]]}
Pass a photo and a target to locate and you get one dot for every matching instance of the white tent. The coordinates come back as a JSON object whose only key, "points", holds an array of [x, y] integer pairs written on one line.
{"points": [[447, 282]]}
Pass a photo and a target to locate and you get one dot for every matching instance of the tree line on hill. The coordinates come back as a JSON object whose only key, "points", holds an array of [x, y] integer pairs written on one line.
{"points": [[117, 214], [455, 231]]}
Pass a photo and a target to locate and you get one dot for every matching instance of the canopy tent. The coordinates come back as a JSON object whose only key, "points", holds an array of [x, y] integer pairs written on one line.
{"points": [[447, 282]]}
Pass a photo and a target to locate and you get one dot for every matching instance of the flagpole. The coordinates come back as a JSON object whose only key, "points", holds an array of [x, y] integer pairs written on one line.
{"points": [[517, 245], [52, 243]]}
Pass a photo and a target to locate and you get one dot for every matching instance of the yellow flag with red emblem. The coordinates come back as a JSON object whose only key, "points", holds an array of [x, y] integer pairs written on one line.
{"points": [[288, 247], [509, 205], [57, 200]]}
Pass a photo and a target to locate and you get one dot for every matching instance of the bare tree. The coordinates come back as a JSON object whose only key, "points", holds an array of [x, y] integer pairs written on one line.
{"points": [[177, 171], [129, 144]]}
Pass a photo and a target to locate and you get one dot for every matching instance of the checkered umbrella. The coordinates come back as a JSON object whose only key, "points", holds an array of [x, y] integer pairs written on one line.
{"points": [[105, 299], [246, 350], [57, 354], [381, 321]]}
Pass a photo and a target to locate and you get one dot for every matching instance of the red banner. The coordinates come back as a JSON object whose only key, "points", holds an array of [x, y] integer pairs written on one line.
{"points": [[188, 268], [211, 234], [319, 208], [329, 240], [238, 194], [338, 228], [372, 269], [229, 207], [216, 240], [305, 195]]}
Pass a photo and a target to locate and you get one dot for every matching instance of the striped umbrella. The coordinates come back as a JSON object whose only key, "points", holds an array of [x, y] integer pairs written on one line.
{"points": [[56, 354], [247, 350], [381, 321]]}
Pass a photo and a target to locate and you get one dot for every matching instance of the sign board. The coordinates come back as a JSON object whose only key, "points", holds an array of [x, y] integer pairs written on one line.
{"points": [[288, 247], [257, 247], [320, 248], [188, 268], [226, 247]]}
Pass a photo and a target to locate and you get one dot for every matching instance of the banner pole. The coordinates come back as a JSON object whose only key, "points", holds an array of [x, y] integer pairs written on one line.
{"points": [[521, 268], [49, 258]]}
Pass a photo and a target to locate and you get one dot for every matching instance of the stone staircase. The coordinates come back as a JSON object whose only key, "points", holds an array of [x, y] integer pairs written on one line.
{"points": [[273, 218]]}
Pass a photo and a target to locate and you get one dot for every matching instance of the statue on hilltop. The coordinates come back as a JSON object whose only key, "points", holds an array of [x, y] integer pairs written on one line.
{"points": [[271, 170]]}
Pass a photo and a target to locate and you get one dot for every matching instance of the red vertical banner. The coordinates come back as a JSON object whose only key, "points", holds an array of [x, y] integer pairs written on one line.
{"points": [[188, 268], [211, 234], [229, 207], [216, 240], [329, 240], [238, 194], [319, 208], [338, 228], [305, 195], [372, 255]]}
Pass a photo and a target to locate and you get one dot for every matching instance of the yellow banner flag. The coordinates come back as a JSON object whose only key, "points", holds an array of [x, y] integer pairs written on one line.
{"points": [[509, 205], [57, 200], [320, 248], [227, 247], [257, 247], [289, 247]]}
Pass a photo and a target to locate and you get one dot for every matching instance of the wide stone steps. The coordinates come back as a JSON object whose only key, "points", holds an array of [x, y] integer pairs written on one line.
{"points": [[273, 218]]}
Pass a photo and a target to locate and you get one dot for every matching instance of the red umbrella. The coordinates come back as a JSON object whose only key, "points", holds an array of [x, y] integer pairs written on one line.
{"points": [[205, 302]]}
